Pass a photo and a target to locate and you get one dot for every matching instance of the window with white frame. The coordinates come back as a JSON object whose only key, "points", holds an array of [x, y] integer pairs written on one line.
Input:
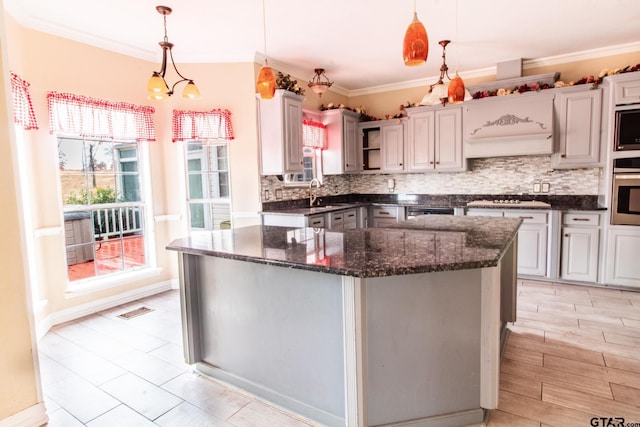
{"points": [[103, 206], [208, 195], [100, 170], [206, 135]]}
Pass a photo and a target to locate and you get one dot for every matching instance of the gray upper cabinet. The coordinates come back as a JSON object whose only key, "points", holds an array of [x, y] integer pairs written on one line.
{"points": [[434, 141], [626, 89], [280, 133], [578, 112], [382, 145], [392, 149], [341, 155]]}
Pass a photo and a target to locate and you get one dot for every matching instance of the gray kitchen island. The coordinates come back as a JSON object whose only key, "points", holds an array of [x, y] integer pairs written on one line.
{"points": [[364, 327]]}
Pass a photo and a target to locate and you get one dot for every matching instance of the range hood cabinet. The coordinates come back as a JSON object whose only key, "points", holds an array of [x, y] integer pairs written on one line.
{"points": [[510, 125]]}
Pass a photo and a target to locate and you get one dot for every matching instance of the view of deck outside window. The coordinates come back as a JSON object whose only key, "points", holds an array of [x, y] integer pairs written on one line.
{"points": [[103, 206]]}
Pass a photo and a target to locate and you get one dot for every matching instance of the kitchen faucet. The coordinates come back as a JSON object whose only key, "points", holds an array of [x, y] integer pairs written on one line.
{"points": [[312, 196]]}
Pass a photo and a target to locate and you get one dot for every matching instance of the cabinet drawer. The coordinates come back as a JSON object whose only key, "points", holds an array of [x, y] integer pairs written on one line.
{"points": [[528, 217], [349, 215], [385, 212], [337, 217], [316, 221], [581, 219]]}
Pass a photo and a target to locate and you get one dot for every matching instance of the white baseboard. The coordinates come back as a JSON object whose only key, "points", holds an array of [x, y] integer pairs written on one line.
{"points": [[35, 415], [175, 284], [98, 305]]}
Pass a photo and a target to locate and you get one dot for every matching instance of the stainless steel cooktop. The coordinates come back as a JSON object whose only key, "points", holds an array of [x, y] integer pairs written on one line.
{"points": [[508, 203]]}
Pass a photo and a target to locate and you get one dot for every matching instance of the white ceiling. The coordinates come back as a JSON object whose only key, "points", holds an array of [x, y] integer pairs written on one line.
{"points": [[358, 42]]}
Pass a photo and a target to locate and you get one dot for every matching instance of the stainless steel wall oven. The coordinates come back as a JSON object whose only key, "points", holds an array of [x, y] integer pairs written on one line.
{"points": [[625, 209]]}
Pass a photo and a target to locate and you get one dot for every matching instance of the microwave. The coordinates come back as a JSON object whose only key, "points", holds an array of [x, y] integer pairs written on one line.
{"points": [[627, 129]]}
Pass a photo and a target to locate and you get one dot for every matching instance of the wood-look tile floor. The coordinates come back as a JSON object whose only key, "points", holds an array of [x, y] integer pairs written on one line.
{"points": [[572, 355], [104, 371]]}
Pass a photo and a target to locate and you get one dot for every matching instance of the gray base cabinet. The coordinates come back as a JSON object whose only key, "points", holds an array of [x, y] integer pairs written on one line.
{"points": [[622, 264], [532, 238], [580, 246]]}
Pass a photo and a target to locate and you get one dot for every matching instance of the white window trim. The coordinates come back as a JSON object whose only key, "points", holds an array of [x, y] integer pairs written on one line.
{"points": [[112, 280]]}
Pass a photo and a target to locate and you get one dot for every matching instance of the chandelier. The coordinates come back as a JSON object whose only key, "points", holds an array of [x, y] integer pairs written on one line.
{"points": [[157, 88], [441, 92], [318, 85]]}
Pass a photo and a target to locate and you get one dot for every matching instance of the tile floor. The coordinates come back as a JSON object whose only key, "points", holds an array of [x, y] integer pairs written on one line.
{"points": [[573, 354], [104, 371]]}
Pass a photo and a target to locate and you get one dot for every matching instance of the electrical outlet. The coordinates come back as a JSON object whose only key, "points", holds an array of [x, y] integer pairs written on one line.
{"points": [[536, 187], [266, 194], [545, 187]]}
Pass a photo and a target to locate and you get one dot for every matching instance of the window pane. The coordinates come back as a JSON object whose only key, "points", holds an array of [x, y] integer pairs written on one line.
{"points": [[101, 240], [128, 153], [70, 157], [129, 166], [99, 156], [222, 157], [223, 184], [102, 189], [208, 182], [211, 215]]}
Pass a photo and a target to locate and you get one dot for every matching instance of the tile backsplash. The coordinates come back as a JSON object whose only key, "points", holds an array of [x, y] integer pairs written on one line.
{"points": [[497, 175]]}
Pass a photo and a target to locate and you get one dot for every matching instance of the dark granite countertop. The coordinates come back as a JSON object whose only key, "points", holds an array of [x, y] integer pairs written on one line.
{"points": [[556, 202], [424, 244]]}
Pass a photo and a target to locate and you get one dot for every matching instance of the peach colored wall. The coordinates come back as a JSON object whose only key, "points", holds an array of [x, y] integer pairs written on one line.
{"points": [[51, 63], [18, 390]]}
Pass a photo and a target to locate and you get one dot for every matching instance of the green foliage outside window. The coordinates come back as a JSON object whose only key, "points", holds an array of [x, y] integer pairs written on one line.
{"points": [[99, 196]]}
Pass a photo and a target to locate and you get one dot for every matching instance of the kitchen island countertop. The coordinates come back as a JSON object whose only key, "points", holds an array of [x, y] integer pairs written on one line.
{"points": [[420, 245]]}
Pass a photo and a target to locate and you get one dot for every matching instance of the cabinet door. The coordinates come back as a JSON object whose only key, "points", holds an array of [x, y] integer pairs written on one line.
{"points": [[623, 246], [350, 143], [580, 253], [578, 130], [627, 92], [532, 249], [292, 135], [448, 140], [420, 141], [392, 147]]}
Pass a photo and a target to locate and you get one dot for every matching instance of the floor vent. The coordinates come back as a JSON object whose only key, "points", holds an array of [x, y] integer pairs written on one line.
{"points": [[135, 313]]}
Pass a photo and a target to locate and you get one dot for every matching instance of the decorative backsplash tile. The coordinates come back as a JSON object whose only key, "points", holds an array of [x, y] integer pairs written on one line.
{"points": [[497, 175]]}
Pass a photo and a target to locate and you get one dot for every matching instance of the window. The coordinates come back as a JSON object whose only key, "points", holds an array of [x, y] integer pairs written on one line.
{"points": [[208, 195], [314, 139], [308, 165], [103, 206]]}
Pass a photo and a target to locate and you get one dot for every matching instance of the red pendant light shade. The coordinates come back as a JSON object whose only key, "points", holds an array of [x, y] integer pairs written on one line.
{"points": [[266, 83], [456, 90], [415, 48]]}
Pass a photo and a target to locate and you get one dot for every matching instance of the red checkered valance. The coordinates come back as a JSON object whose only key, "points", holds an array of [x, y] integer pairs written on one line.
{"points": [[96, 118], [23, 114], [202, 125], [314, 134]]}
